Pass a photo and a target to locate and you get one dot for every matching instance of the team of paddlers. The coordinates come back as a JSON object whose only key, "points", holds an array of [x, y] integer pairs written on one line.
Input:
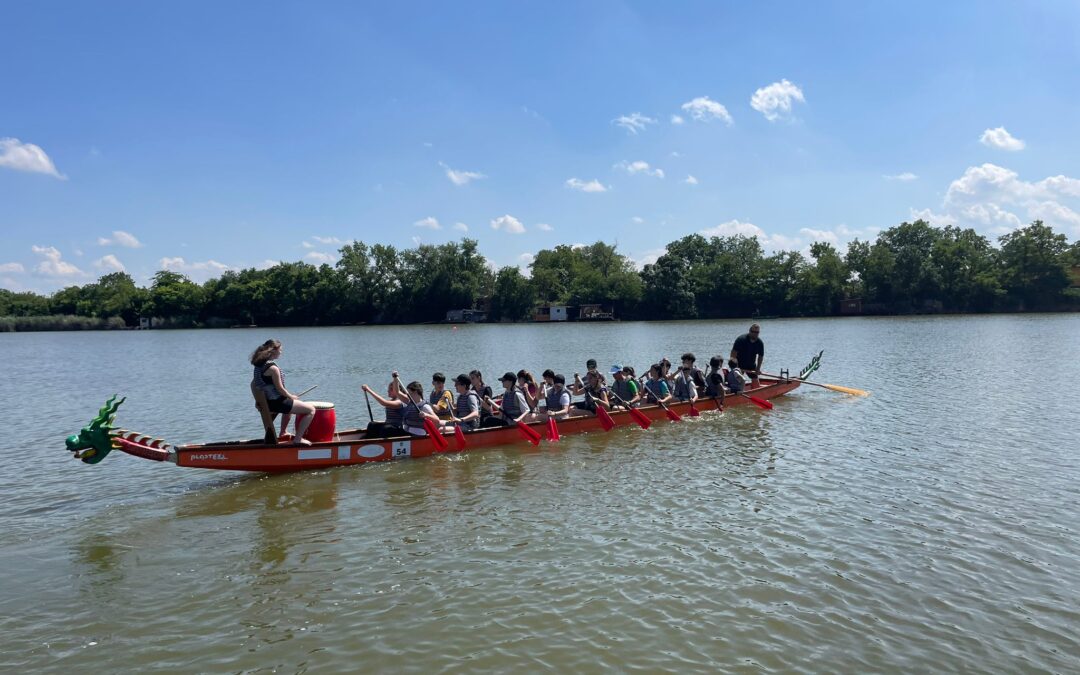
{"points": [[523, 399]]}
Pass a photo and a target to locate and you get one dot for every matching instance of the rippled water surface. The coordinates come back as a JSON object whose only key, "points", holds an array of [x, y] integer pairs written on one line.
{"points": [[932, 526]]}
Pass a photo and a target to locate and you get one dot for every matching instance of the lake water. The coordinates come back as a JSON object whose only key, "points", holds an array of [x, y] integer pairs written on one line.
{"points": [[932, 526]]}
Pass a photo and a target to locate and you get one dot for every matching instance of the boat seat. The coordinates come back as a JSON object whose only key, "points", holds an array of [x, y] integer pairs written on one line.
{"points": [[269, 436]]}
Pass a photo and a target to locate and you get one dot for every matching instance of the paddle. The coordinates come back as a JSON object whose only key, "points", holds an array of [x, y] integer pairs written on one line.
{"points": [[605, 419], [459, 435], [834, 387], [530, 434], [371, 418], [307, 391], [553, 430], [642, 420], [436, 436], [759, 402]]}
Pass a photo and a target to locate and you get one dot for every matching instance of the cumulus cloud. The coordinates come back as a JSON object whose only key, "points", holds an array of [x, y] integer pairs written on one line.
{"points": [[1001, 139], [634, 123], [837, 236], [775, 101], [14, 154], [318, 258], [461, 177], [329, 240], [590, 186], [677, 119], [638, 219], [648, 257], [905, 177], [508, 223], [109, 263], [639, 166], [544, 227], [196, 271], [690, 180], [996, 200], [307, 244], [12, 268], [429, 223], [461, 227], [524, 260], [120, 238], [52, 265], [704, 109]]}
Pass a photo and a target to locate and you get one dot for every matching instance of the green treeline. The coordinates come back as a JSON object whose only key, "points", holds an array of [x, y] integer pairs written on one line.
{"points": [[913, 267]]}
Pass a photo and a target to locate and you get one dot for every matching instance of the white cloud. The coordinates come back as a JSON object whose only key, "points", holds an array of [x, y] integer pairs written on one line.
{"points": [[120, 238], [461, 227], [329, 240], [704, 109], [633, 123], [429, 223], [733, 228], [52, 265], [677, 119], [775, 100], [318, 258], [196, 271], [905, 177], [109, 263], [647, 257], [590, 186], [639, 166], [12, 268], [1001, 139], [524, 260], [544, 227], [991, 214], [267, 264], [690, 180], [307, 244], [14, 154], [938, 219], [574, 247], [508, 223], [461, 177], [993, 196], [675, 153], [820, 235], [638, 219]]}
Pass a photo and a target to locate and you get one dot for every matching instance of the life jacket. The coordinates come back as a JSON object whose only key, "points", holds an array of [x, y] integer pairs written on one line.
{"points": [[511, 406], [264, 383], [557, 399], [684, 388], [413, 418], [466, 403], [395, 417], [734, 380], [624, 389], [655, 390]]}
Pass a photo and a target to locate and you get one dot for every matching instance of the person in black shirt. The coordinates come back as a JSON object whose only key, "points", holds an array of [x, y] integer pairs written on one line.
{"points": [[749, 351]]}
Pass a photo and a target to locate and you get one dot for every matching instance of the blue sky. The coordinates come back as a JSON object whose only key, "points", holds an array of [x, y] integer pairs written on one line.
{"points": [[205, 136]]}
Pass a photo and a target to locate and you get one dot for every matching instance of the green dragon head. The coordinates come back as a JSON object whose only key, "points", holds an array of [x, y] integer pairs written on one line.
{"points": [[814, 364], [94, 442]]}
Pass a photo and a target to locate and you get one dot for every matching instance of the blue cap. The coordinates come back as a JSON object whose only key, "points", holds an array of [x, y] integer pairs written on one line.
{"points": [[616, 369]]}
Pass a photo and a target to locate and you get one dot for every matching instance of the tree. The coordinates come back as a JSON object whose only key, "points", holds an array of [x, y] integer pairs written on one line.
{"points": [[967, 268], [1035, 265], [819, 287], [513, 295], [174, 296]]}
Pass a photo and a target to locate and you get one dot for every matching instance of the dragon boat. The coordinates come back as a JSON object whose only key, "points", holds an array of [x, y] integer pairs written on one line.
{"points": [[95, 441]]}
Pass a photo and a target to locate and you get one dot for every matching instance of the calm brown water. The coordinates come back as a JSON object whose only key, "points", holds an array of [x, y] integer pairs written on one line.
{"points": [[933, 526]]}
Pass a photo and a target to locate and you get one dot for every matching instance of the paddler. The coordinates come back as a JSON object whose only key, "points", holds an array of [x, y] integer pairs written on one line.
{"points": [[656, 389], [417, 410], [467, 410], [685, 389], [556, 398], [749, 352], [440, 398], [267, 378], [593, 390], [395, 411], [513, 407], [624, 387]]}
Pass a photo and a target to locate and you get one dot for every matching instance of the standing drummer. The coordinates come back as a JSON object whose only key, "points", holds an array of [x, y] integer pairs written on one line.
{"points": [[749, 351]]}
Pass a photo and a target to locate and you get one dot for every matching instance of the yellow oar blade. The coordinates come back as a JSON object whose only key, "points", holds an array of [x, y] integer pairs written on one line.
{"points": [[847, 390]]}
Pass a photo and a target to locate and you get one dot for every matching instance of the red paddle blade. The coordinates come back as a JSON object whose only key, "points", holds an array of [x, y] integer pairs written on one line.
{"points": [[459, 435], [642, 420], [553, 430], [761, 403], [529, 433], [605, 419], [437, 438], [694, 411], [672, 415]]}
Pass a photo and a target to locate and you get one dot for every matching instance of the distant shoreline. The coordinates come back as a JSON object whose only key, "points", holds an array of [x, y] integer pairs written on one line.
{"points": [[70, 323]]}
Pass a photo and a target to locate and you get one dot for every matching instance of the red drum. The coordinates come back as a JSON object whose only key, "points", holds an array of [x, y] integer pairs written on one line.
{"points": [[323, 425]]}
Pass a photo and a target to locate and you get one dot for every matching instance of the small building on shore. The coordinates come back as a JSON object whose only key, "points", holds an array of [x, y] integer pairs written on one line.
{"points": [[546, 313], [466, 316]]}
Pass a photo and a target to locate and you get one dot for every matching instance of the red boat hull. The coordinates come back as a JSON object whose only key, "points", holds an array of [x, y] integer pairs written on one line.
{"points": [[351, 447]]}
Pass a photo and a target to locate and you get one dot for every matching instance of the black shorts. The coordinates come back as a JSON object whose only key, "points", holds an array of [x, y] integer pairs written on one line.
{"points": [[280, 405]]}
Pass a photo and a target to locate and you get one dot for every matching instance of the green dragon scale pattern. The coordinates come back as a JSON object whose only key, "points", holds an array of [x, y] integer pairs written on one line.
{"points": [[814, 364]]}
